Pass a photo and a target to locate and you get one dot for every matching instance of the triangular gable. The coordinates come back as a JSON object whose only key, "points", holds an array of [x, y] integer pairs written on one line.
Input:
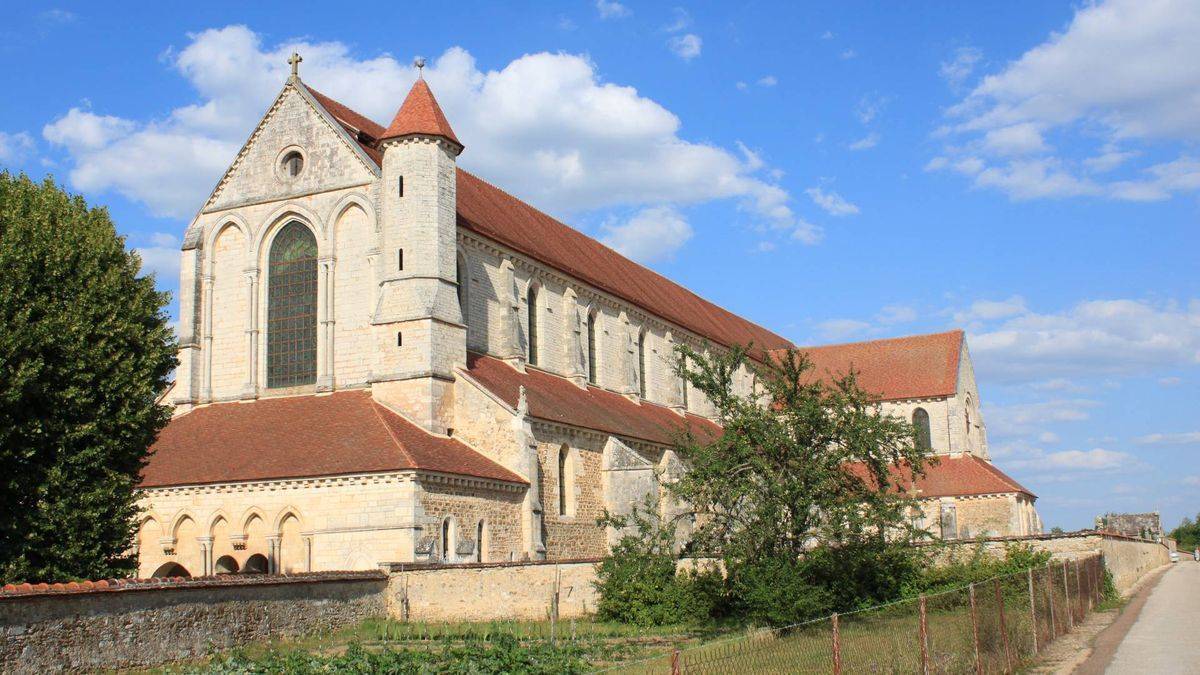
{"points": [[296, 117]]}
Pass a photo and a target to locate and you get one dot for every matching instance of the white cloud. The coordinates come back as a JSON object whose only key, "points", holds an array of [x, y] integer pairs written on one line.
{"points": [[866, 142], [1122, 72], [847, 54], [960, 66], [893, 314], [15, 147], [161, 258], [837, 330], [652, 234], [1093, 338], [869, 107], [1185, 438], [987, 310], [1171, 381], [1057, 384], [545, 127], [686, 47], [1028, 419], [610, 9], [57, 15], [1192, 480], [767, 81], [1094, 460], [807, 233], [681, 21], [833, 203], [827, 35]]}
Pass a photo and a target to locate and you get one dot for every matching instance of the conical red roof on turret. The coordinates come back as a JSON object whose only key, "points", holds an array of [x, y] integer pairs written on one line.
{"points": [[420, 114]]}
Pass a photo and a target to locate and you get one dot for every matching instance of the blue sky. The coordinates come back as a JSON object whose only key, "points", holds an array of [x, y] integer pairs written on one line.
{"points": [[1027, 171]]}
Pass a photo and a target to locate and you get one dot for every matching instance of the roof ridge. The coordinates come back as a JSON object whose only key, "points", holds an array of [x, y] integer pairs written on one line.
{"points": [[375, 405], [894, 338]]}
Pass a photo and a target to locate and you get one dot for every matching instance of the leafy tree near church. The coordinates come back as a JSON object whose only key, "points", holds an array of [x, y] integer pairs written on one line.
{"points": [[799, 497], [85, 349]]}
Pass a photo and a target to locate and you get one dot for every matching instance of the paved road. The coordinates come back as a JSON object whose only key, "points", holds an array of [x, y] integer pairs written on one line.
{"points": [[1166, 636]]}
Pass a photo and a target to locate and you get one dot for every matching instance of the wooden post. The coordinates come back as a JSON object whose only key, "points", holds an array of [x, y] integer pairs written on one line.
{"points": [[923, 632], [1067, 596], [676, 665], [837, 646], [1079, 595], [1003, 625], [1050, 599], [1032, 611], [554, 607], [975, 630]]}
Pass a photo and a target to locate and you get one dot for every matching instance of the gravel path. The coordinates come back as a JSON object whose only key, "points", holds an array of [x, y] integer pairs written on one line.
{"points": [[1166, 636]]}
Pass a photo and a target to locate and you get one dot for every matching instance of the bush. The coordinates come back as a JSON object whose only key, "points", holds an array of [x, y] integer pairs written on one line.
{"points": [[980, 566]]}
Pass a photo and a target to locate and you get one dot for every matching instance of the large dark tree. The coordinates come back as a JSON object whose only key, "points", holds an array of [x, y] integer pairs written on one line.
{"points": [[85, 350]]}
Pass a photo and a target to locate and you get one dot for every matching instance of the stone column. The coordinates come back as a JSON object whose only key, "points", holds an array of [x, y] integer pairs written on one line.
{"points": [[325, 322], [308, 553], [206, 559], [273, 554], [207, 291], [250, 389]]}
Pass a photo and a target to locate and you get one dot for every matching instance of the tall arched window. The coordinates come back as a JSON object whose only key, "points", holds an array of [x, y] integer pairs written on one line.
{"points": [[683, 385], [566, 482], [920, 420], [448, 536], [642, 364], [292, 308], [591, 346], [462, 276], [532, 328]]}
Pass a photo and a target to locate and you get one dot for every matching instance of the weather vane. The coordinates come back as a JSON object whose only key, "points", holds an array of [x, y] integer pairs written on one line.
{"points": [[419, 62]]}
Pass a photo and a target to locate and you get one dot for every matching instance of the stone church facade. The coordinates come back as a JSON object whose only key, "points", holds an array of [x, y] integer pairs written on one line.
{"points": [[385, 358]]}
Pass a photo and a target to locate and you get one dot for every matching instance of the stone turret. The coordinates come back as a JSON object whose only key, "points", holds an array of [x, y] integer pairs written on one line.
{"points": [[420, 336]]}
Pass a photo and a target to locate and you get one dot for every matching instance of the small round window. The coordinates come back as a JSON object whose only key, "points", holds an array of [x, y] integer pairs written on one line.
{"points": [[293, 164]]}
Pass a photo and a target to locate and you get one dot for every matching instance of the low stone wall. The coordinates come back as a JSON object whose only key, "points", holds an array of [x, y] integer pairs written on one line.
{"points": [[1127, 558], [492, 591], [125, 624]]}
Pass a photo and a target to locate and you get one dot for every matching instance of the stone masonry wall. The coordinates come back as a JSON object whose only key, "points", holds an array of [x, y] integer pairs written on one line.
{"points": [[138, 625]]}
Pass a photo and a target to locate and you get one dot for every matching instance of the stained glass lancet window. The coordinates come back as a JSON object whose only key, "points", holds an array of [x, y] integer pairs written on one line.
{"points": [[292, 308]]}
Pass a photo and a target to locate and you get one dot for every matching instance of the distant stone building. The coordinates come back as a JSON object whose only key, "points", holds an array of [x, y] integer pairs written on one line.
{"points": [[929, 380], [386, 358], [1145, 525]]}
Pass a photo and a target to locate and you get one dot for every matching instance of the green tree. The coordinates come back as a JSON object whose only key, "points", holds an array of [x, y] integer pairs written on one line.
{"points": [[1187, 535], [801, 494], [85, 349]]}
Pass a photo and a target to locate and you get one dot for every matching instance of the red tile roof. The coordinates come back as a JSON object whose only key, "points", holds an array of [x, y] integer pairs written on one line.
{"points": [[918, 366], [960, 476], [302, 436], [497, 215], [556, 399], [420, 114]]}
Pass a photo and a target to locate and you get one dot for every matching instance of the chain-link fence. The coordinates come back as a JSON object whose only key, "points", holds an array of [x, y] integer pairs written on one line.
{"points": [[993, 626]]}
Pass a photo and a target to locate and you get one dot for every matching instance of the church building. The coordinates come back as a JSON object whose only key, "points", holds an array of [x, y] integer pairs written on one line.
{"points": [[384, 358]]}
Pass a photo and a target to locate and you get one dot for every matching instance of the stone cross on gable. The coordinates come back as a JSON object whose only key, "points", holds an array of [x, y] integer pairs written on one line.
{"points": [[294, 62]]}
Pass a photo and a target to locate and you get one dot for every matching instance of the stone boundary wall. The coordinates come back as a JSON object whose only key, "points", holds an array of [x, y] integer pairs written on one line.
{"points": [[132, 623], [1127, 558], [492, 591]]}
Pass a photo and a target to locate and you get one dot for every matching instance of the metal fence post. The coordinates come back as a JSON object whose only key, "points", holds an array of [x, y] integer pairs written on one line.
{"points": [[1050, 598], [1067, 596], [975, 630], [837, 646], [923, 631], [1003, 625], [1032, 611]]}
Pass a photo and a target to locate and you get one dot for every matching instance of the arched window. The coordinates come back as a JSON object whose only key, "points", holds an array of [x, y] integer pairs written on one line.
{"points": [[920, 420], [642, 364], [226, 565], [565, 483], [463, 278], [683, 385], [292, 308], [255, 564], [532, 328], [481, 541], [448, 539], [591, 346]]}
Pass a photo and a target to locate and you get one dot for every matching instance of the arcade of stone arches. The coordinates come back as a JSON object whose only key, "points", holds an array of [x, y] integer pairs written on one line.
{"points": [[254, 542]]}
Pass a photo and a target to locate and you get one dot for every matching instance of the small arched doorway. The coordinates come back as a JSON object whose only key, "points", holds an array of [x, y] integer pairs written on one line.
{"points": [[255, 564], [226, 565], [171, 569]]}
